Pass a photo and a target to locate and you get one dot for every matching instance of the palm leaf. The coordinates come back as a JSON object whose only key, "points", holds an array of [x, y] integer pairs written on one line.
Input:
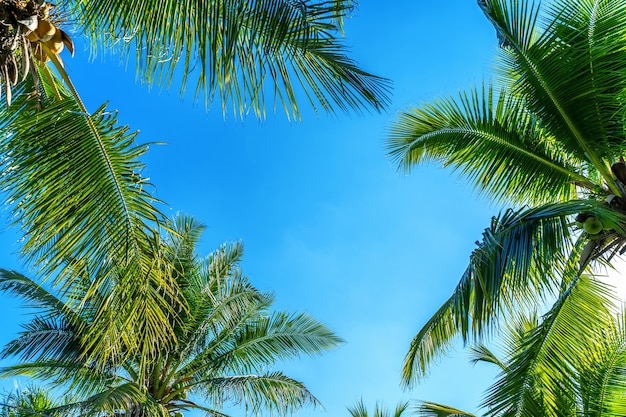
{"points": [[264, 340], [273, 391], [114, 400], [570, 73], [359, 410], [513, 267], [602, 374], [493, 140], [540, 372], [237, 50], [428, 409]]}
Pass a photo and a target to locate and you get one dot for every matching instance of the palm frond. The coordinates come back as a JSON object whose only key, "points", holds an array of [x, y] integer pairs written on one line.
{"points": [[481, 353], [541, 371], [360, 410], [238, 51], [429, 409], [265, 340], [43, 338], [602, 374], [572, 75], [517, 263], [32, 294], [493, 140], [273, 391], [122, 398]]}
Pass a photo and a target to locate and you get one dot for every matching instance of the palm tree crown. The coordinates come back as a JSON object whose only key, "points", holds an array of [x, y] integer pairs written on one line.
{"points": [[73, 176], [223, 342], [547, 136]]}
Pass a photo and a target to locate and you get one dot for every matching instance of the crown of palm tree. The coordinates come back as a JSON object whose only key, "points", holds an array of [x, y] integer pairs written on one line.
{"points": [[547, 136], [224, 340], [73, 177]]}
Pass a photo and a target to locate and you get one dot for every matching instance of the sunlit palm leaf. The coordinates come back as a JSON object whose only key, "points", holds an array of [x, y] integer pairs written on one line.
{"points": [[360, 410], [538, 374], [582, 41], [113, 400], [602, 374], [428, 409], [274, 391], [75, 182], [223, 337], [238, 50], [493, 140], [280, 335], [520, 259], [75, 185]]}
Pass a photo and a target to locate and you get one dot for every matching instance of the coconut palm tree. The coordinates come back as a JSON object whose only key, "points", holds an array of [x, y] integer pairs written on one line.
{"points": [[224, 344], [545, 372], [30, 401], [360, 410], [73, 177], [547, 138]]}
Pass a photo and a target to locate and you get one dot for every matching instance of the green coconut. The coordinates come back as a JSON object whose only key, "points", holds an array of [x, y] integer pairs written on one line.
{"points": [[592, 226]]}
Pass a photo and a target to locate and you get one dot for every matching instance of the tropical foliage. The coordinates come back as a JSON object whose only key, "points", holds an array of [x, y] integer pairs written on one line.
{"points": [[31, 401], [547, 370], [73, 176], [546, 137], [223, 343], [360, 410]]}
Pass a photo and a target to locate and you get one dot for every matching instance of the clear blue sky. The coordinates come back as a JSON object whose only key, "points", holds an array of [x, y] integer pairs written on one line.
{"points": [[328, 223]]}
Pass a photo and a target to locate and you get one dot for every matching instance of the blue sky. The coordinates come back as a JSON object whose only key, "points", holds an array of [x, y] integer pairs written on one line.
{"points": [[329, 225]]}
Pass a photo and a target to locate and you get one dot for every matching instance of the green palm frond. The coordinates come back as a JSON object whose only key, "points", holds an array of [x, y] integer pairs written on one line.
{"points": [[264, 340], [572, 75], [516, 264], [428, 409], [481, 353], [540, 372], [30, 401], [216, 317], [42, 338], [494, 141], [74, 183], [515, 22], [114, 399], [33, 294], [273, 391], [238, 51], [85, 172], [602, 374], [360, 410]]}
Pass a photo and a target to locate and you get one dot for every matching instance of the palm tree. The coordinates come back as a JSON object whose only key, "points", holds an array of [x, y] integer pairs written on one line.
{"points": [[224, 343], [590, 378], [31, 401], [547, 138], [73, 177], [360, 410]]}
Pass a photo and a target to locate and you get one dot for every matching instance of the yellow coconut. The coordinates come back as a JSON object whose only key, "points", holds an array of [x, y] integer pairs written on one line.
{"points": [[45, 30], [55, 43]]}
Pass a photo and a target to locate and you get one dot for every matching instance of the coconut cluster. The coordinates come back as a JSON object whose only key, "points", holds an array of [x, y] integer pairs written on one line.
{"points": [[46, 33], [27, 32]]}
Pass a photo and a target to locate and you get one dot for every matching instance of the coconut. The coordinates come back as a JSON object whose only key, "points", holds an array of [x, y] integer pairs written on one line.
{"points": [[592, 226], [56, 44], [45, 30]]}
